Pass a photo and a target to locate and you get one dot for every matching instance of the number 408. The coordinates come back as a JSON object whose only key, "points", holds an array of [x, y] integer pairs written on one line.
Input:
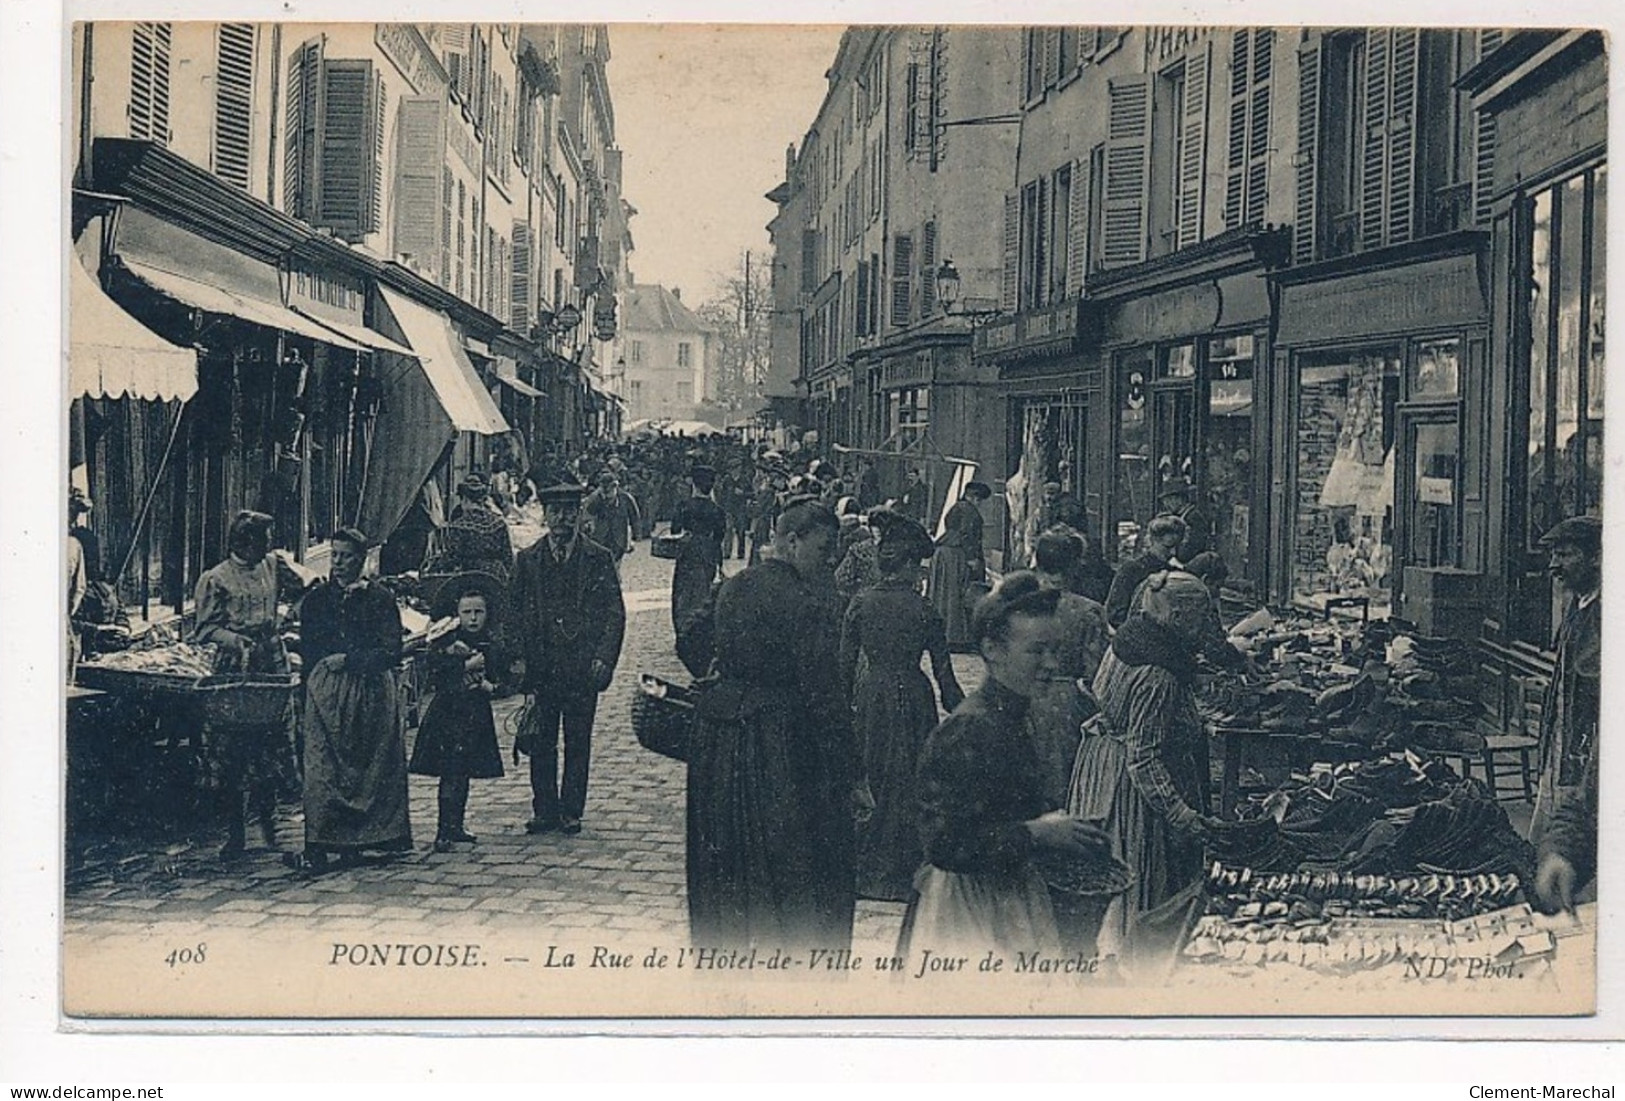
{"points": [[179, 957]]}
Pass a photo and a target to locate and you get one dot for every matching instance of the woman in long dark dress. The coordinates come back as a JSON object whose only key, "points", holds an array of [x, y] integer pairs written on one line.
{"points": [[457, 739], [355, 749], [1147, 779], [959, 565], [699, 561], [891, 625], [770, 776], [983, 809]]}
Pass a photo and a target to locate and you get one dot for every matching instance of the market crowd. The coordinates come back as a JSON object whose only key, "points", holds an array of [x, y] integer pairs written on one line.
{"points": [[824, 762]]}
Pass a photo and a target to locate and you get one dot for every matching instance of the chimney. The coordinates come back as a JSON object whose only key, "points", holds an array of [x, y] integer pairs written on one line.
{"points": [[789, 160]]}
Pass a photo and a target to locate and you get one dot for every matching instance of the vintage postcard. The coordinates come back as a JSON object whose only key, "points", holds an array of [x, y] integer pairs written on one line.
{"points": [[616, 521]]}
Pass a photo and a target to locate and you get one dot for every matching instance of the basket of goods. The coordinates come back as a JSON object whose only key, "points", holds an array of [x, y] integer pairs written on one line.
{"points": [[662, 715], [666, 545], [233, 700], [1083, 876], [152, 669]]}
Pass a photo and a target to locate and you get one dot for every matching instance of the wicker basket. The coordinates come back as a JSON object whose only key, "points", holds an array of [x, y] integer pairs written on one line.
{"points": [[240, 701], [132, 682], [662, 716], [1084, 877], [665, 545]]}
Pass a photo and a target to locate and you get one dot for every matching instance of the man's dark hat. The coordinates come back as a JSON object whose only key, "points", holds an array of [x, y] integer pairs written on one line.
{"points": [[904, 538], [564, 493], [474, 486], [1584, 532], [354, 536]]}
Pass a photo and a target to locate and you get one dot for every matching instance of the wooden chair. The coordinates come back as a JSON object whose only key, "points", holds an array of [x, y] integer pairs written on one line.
{"points": [[1505, 756]]}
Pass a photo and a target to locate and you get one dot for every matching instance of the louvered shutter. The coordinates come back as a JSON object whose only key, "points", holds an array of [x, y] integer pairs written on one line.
{"points": [[149, 82], [1052, 56], [1484, 142], [346, 192], [1258, 126], [1374, 140], [302, 151], [1235, 160], [1306, 170], [902, 278], [1193, 147], [1128, 165], [1012, 252], [928, 269], [519, 299], [455, 38], [1077, 228], [862, 298], [421, 228], [1406, 57], [233, 101], [447, 189]]}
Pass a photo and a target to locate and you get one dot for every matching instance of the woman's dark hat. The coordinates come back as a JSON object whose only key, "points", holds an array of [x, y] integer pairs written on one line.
{"points": [[904, 538], [474, 487]]}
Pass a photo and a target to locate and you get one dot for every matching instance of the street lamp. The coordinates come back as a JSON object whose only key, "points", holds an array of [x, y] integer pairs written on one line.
{"points": [[947, 285], [568, 317], [977, 311]]}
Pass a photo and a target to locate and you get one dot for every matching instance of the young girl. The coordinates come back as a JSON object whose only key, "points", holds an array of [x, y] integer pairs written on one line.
{"points": [[457, 739]]}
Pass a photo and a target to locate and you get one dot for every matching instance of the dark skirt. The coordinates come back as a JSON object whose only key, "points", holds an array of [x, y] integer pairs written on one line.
{"points": [[949, 585], [458, 737], [770, 846], [355, 761], [895, 713]]}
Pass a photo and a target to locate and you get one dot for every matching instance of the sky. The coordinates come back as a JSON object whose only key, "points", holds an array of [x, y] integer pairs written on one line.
{"points": [[703, 115]]}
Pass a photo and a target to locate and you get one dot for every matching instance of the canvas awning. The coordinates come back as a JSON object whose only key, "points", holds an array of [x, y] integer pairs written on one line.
{"points": [[520, 386], [359, 334], [112, 355], [233, 303], [447, 366]]}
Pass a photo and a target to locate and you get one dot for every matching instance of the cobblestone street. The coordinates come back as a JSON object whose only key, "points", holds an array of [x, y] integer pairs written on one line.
{"points": [[623, 872]]}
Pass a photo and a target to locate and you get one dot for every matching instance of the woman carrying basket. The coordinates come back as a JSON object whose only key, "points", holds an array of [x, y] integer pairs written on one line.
{"points": [[237, 613]]}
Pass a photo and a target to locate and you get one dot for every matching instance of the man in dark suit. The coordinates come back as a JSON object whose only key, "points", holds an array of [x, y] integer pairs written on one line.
{"points": [[569, 620]]}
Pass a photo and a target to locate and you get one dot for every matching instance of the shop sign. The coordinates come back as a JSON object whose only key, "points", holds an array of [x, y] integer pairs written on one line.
{"points": [[1166, 315], [325, 294], [902, 371], [404, 45], [1052, 330]]}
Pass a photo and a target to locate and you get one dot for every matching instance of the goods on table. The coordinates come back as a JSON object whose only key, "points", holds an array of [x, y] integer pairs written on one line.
{"points": [[177, 659], [1244, 896]]}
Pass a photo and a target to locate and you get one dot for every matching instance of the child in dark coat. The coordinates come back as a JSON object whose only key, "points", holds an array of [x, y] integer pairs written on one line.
{"points": [[457, 739]]}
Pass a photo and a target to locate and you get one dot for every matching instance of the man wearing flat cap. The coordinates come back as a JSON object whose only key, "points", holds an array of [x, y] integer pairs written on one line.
{"points": [[1565, 821], [569, 620]]}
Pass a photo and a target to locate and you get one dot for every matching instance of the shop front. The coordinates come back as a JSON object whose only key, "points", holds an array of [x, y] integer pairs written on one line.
{"points": [[1185, 339], [1378, 471]]}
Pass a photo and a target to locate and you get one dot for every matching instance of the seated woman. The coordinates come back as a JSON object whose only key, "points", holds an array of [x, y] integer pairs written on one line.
{"points": [[983, 809]]}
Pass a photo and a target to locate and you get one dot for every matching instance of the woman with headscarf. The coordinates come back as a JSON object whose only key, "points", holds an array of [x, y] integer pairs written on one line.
{"points": [[958, 565], [890, 625], [355, 747], [1145, 775], [983, 810], [236, 612]]}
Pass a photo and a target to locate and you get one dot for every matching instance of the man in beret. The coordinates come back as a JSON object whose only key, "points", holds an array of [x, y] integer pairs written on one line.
{"points": [[1565, 821], [569, 620]]}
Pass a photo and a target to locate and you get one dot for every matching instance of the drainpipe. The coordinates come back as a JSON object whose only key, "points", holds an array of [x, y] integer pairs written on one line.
{"points": [[86, 79], [275, 112]]}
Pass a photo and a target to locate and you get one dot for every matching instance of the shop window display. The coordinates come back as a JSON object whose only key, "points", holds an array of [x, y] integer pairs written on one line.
{"points": [[1227, 448], [1343, 512], [1132, 500]]}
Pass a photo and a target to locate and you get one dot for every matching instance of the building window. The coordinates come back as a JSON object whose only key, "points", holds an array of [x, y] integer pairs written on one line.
{"points": [[334, 157], [1060, 211], [1342, 507], [1343, 98], [634, 353], [685, 354], [1097, 206], [634, 390], [1033, 280], [910, 413], [1227, 449], [1132, 500], [685, 392], [233, 101], [1166, 156], [149, 83], [1563, 237]]}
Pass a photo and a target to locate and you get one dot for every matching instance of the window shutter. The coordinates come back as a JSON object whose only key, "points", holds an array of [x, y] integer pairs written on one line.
{"points": [[1128, 164], [1052, 56], [233, 101], [809, 260], [1402, 127], [1012, 251], [446, 190], [1077, 228], [928, 270], [1193, 147], [1306, 171], [1258, 127], [455, 37], [1374, 142], [346, 185], [1235, 162], [302, 152], [1484, 142], [862, 296], [422, 216], [519, 299], [149, 82], [902, 278]]}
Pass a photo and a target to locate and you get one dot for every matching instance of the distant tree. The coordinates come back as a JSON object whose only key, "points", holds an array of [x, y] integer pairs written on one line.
{"points": [[741, 314]]}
